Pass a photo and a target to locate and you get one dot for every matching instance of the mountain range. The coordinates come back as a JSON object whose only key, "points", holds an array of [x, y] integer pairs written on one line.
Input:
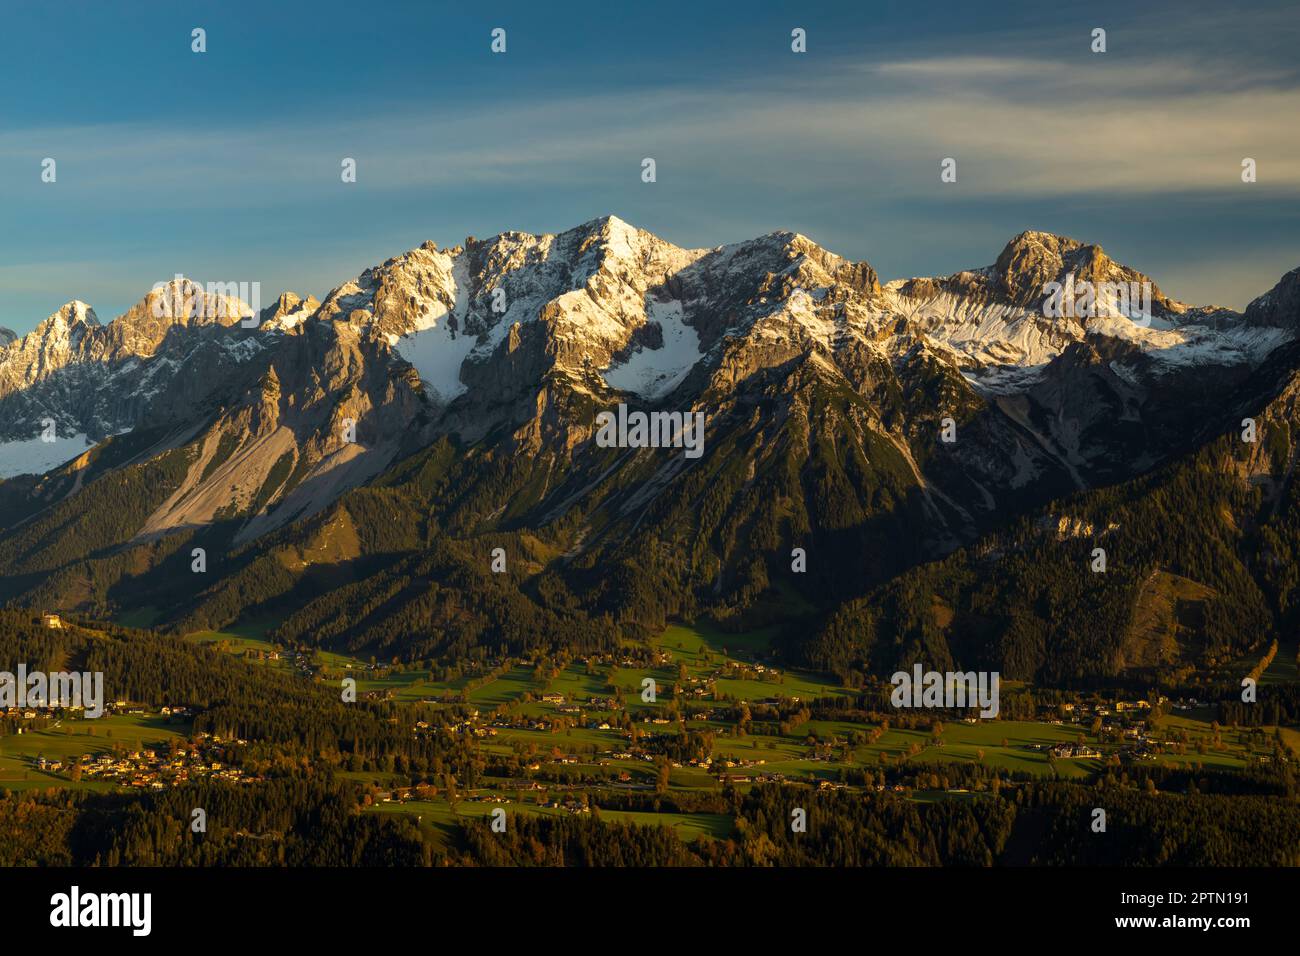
{"points": [[947, 453]]}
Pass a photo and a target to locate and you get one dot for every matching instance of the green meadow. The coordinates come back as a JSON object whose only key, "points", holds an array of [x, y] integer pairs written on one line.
{"points": [[444, 819], [71, 738], [696, 657]]}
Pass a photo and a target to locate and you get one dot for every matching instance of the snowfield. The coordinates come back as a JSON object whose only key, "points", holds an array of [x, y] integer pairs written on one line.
{"points": [[653, 373], [35, 457], [437, 354]]}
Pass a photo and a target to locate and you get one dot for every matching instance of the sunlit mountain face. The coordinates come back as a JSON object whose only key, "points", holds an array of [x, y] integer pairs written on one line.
{"points": [[588, 435]]}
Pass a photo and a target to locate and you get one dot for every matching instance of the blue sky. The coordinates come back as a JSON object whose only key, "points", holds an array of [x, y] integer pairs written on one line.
{"points": [[224, 166]]}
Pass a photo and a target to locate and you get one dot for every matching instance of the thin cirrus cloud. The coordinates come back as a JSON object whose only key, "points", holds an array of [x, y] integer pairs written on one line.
{"points": [[843, 145], [1015, 126], [1033, 127]]}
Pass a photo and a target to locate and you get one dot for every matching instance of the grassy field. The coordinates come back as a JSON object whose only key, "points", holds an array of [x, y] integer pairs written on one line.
{"points": [[1016, 746], [439, 815], [1284, 669], [248, 640], [702, 650], [71, 738], [692, 657], [703, 654]]}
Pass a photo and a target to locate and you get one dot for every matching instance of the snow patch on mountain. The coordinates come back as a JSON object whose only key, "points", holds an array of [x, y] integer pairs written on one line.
{"points": [[439, 343], [1004, 379], [654, 372], [1190, 346], [984, 332], [35, 456], [437, 352], [1003, 348], [816, 323]]}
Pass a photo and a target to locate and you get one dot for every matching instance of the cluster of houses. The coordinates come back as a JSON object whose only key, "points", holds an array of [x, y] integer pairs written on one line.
{"points": [[1073, 751], [698, 687], [539, 724], [1124, 722], [1084, 710], [44, 714], [149, 768], [568, 805], [28, 713], [738, 670], [471, 726]]}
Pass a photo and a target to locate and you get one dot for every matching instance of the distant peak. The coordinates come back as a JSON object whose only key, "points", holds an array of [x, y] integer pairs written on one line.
{"points": [[608, 227], [1033, 247], [289, 310], [1279, 306], [1050, 239], [78, 311], [608, 221], [290, 301], [70, 315], [1034, 258]]}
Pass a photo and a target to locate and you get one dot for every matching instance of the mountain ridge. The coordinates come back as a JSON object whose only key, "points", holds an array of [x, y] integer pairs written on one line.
{"points": [[376, 444]]}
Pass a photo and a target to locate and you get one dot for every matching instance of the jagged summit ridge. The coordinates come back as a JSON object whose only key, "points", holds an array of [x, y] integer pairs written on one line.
{"points": [[607, 309]]}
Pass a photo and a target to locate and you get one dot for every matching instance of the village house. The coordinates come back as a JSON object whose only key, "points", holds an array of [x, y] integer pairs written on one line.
{"points": [[1074, 751]]}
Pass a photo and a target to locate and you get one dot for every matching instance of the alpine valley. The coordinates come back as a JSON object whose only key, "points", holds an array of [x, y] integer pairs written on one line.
{"points": [[585, 549]]}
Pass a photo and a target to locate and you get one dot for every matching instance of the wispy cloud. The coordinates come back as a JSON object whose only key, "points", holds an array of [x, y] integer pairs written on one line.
{"points": [[1016, 126], [839, 151]]}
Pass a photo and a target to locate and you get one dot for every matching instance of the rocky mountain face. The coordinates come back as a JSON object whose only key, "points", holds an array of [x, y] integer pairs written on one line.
{"points": [[449, 399], [288, 311], [1279, 307], [94, 380], [1182, 576]]}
